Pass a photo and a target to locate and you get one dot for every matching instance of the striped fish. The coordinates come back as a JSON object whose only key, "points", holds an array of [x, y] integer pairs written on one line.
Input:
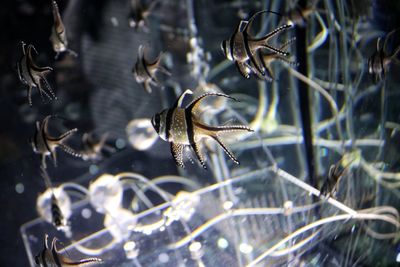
{"points": [[92, 150], [58, 36], [57, 217], [241, 47], [45, 145], [138, 14], [32, 75], [145, 71], [51, 257], [181, 127]]}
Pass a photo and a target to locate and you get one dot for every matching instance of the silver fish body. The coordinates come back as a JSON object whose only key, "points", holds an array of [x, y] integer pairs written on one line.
{"points": [[181, 127], [32, 75], [51, 257], [145, 71], [45, 145]]}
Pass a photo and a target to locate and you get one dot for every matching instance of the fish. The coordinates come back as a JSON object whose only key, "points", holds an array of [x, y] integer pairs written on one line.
{"points": [[380, 61], [181, 127], [51, 257], [92, 149], [45, 145], [58, 219], [32, 75], [241, 47], [138, 14], [58, 36], [335, 173], [145, 71], [299, 16]]}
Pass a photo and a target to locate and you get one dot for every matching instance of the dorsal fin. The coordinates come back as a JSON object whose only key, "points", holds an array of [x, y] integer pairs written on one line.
{"points": [[250, 21], [179, 101]]}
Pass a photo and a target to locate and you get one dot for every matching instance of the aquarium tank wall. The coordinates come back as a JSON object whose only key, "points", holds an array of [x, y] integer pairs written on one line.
{"points": [[200, 133]]}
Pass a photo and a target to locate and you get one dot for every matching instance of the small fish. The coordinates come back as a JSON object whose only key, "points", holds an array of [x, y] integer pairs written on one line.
{"points": [[32, 75], [380, 61], [51, 257], [57, 217], [335, 173], [181, 127], [138, 14], [241, 47], [45, 145], [299, 16], [145, 71], [58, 36], [92, 149]]}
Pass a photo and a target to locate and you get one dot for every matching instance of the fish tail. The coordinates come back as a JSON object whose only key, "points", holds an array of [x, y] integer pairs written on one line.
{"points": [[214, 131], [70, 151]]}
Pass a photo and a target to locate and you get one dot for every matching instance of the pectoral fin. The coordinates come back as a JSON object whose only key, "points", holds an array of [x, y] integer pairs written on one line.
{"points": [[199, 156], [177, 153]]}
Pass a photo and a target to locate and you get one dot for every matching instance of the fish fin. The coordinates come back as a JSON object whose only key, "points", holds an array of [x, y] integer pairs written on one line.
{"points": [[44, 70], [214, 131], [30, 96], [49, 95], [64, 136], [82, 262], [250, 21], [179, 101], [275, 50], [193, 106], [164, 70], [23, 45], [225, 148], [46, 237], [53, 155], [70, 150], [264, 39], [196, 149], [43, 160], [177, 153], [152, 5], [242, 69], [72, 52], [147, 86], [243, 24]]}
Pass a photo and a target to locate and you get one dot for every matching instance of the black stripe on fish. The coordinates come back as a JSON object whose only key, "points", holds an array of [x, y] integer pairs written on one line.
{"points": [[249, 53], [168, 122], [44, 135], [146, 69], [190, 135]]}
